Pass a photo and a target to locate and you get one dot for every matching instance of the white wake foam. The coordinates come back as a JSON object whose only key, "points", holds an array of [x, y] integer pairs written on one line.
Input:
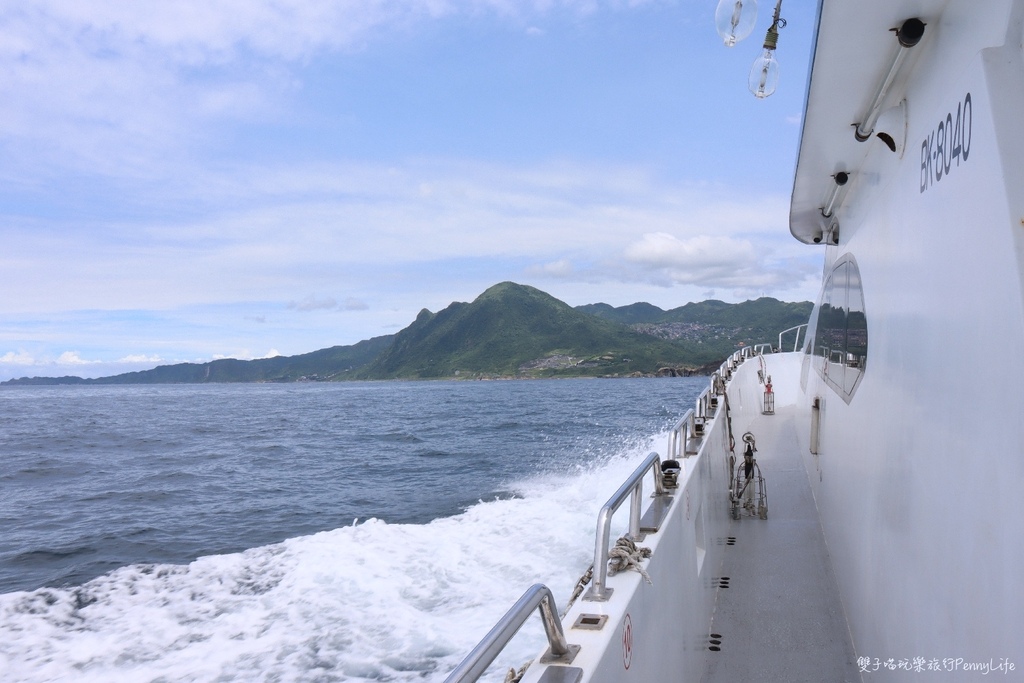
{"points": [[372, 601]]}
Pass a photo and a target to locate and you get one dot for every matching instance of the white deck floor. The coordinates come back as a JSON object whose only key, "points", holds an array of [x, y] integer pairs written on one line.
{"points": [[780, 618]]}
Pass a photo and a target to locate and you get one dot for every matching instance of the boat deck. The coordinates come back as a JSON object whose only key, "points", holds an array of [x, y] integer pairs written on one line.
{"points": [[780, 617]]}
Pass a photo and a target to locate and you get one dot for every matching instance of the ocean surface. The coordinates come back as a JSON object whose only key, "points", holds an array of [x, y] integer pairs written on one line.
{"points": [[301, 532]]}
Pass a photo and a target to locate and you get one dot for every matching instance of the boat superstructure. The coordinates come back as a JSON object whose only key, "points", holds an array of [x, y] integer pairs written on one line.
{"points": [[914, 481], [892, 545]]}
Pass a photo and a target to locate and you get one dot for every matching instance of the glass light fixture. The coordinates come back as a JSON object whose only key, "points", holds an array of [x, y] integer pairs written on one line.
{"points": [[735, 20], [764, 73]]}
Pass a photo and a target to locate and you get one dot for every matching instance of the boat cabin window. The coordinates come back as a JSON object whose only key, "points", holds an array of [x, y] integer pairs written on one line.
{"points": [[840, 341]]}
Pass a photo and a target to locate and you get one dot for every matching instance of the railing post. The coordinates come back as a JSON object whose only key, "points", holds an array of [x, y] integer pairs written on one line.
{"points": [[679, 437], [538, 596], [796, 340], [599, 591], [634, 511], [633, 488]]}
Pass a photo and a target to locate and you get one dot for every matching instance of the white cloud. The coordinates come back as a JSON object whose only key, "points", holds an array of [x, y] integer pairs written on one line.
{"points": [[72, 358], [118, 88], [702, 259], [18, 358], [560, 268], [140, 358], [311, 303], [339, 226], [713, 261], [26, 364], [242, 354], [353, 304], [662, 250], [192, 32]]}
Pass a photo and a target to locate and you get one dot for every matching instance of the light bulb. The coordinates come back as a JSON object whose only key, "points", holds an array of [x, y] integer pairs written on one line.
{"points": [[764, 74], [735, 19]]}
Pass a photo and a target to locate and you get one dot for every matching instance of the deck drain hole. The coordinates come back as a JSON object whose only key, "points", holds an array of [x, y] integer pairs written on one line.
{"points": [[714, 648], [716, 635], [591, 622], [723, 582], [715, 642], [731, 540]]}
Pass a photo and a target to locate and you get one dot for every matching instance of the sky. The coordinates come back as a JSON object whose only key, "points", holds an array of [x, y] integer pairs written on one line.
{"points": [[201, 179]]}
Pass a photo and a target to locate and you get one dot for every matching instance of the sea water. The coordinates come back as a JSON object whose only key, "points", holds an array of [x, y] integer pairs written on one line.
{"points": [[302, 532]]}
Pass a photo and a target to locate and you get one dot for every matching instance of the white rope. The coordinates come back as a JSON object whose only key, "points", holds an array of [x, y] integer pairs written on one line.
{"points": [[627, 554]]}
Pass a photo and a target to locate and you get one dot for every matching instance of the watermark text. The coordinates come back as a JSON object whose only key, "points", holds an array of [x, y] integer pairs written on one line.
{"points": [[933, 665]]}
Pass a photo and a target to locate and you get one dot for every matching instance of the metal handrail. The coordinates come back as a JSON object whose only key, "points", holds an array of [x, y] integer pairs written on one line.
{"points": [[633, 487], [538, 596], [796, 341], [730, 364], [680, 434], [703, 403]]}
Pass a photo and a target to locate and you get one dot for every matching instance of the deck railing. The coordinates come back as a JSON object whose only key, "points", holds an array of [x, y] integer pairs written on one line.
{"points": [[537, 597], [684, 438], [796, 337], [633, 489]]}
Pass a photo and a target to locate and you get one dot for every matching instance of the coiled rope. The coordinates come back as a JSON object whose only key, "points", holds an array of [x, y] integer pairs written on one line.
{"points": [[625, 555]]}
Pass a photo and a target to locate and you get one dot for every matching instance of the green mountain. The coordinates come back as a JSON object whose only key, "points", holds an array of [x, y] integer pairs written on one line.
{"points": [[642, 312], [512, 330], [756, 314], [712, 323]]}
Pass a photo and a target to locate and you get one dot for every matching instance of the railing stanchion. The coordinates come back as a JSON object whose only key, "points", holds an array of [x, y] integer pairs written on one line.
{"points": [[538, 596], [632, 488], [796, 340]]}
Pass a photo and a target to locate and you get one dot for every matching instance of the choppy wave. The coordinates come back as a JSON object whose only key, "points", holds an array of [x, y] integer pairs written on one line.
{"points": [[367, 602]]}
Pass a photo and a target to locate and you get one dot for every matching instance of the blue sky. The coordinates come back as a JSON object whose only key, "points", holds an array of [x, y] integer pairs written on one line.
{"points": [[241, 178]]}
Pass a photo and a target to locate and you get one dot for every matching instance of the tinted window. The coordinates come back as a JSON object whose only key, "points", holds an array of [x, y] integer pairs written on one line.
{"points": [[841, 332], [856, 331]]}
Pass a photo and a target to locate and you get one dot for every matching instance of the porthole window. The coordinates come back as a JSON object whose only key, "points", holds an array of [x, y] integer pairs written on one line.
{"points": [[840, 342]]}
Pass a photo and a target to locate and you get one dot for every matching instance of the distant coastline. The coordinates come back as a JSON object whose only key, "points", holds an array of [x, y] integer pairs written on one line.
{"points": [[510, 331]]}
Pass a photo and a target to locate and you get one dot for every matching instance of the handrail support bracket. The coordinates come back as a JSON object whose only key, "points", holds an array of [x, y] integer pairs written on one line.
{"points": [[549, 658]]}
